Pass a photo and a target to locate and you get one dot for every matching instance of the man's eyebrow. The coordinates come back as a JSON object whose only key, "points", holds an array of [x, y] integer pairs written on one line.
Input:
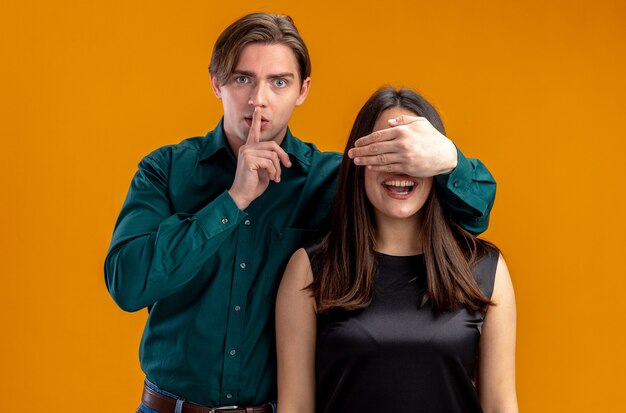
{"points": [[272, 76], [284, 74], [244, 72]]}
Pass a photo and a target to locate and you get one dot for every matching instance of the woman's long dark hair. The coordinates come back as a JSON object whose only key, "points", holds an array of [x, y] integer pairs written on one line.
{"points": [[344, 263]]}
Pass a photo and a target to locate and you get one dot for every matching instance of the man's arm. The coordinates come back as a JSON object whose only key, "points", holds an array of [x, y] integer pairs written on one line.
{"points": [[414, 147], [469, 192], [154, 252]]}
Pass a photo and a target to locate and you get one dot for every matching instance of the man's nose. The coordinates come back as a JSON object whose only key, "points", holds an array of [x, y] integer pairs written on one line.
{"points": [[258, 96]]}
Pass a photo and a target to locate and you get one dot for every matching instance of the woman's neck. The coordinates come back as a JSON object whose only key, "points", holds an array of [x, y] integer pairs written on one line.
{"points": [[400, 237]]}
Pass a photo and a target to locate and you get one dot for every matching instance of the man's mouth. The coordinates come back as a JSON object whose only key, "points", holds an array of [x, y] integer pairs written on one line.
{"points": [[248, 120]]}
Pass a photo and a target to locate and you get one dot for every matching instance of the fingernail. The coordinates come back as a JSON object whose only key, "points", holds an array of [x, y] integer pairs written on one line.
{"points": [[393, 121], [357, 161]]}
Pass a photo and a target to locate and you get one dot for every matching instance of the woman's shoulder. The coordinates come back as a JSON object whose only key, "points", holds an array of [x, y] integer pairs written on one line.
{"points": [[485, 268], [301, 256], [298, 269], [315, 253]]}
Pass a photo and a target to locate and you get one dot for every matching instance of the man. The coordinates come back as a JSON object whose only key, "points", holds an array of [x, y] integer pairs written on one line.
{"points": [[208, 224]]}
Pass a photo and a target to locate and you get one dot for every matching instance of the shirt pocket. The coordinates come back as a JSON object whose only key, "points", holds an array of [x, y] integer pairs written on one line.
{"points": [[284, 242]]}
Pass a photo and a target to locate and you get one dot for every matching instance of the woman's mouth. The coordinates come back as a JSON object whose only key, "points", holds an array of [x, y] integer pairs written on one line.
{"points": [[399, 188]]}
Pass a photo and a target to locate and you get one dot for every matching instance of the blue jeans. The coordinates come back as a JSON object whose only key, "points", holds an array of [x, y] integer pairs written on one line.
{"points": [[179, 405]]}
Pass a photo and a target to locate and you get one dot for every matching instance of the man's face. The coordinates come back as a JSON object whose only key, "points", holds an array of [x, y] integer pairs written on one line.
{"points": [[266, 76]]}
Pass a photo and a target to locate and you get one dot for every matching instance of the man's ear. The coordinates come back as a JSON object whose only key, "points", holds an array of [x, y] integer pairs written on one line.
{"points": [[216, 87], [304, 91]]}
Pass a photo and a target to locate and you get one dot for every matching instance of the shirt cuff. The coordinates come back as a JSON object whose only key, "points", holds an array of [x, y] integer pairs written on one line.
{"points": [[457, 181], [220, 215]]}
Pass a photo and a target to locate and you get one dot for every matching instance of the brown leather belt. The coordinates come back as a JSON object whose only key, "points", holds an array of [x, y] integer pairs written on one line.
{"points": [[166, 404]]}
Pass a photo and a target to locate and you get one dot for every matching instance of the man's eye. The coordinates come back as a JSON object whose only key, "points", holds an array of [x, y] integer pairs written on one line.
{"points": [[241, 79], [280, 83]]}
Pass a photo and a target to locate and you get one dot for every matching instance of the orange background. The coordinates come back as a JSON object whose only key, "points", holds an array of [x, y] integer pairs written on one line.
{"points": [[535, 89]]}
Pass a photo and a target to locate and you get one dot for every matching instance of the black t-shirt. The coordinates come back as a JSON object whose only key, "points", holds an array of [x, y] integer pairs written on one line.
{"points": [[398, 356]]}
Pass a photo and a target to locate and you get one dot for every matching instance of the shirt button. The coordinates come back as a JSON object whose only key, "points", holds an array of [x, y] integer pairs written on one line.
{"points": [[224, 221], [233, 352], [243, 265], [455, 184], [229, 396], [237, 308], [246, 222]]}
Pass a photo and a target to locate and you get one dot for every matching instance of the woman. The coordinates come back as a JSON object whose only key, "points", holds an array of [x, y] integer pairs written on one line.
{"points": [[397, 309]]}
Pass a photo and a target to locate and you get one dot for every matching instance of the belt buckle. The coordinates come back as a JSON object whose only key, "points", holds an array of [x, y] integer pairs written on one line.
{"points": [[224, 408]]}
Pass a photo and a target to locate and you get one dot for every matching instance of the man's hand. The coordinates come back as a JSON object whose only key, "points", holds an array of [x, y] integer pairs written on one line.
{"points": [[258, 163], [411, 146]]}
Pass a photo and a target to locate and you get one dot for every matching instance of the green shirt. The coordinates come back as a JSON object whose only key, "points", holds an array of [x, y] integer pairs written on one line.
{"points": [[208, 272]]}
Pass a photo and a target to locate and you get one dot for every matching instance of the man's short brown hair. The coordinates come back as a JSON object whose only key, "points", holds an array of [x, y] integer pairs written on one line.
{"points": [[257, 28]]}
